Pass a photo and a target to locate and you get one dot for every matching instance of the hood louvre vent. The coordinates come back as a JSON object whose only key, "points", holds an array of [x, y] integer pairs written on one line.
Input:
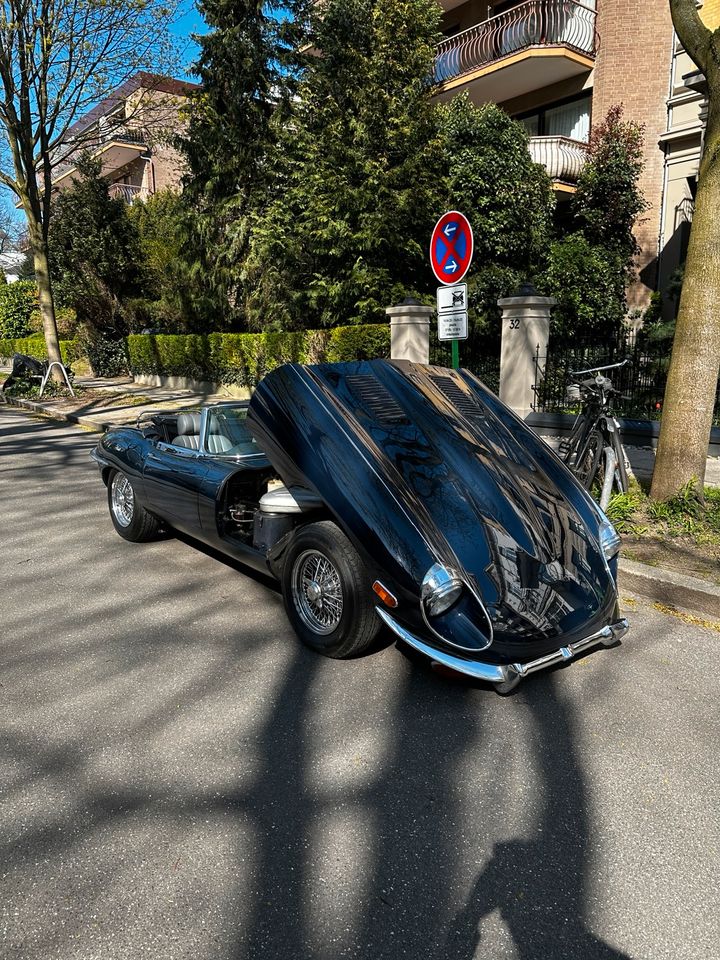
{"points": [[375, 399], [462, 401]]}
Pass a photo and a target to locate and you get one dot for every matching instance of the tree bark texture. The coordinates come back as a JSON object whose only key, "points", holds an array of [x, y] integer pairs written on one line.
{"points": [[695, 362]]}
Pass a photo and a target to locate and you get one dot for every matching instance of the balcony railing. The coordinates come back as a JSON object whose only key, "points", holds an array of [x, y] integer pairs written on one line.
{"points": [[535, 23], [128, 192], [562, 157], [93, 140]]}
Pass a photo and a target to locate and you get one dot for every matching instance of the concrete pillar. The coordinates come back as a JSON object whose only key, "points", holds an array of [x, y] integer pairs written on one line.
{"points": [[410, 331], [525, 335]]}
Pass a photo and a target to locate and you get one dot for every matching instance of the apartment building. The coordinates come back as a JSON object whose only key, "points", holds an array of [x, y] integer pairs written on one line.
{"points": [[557, 66], [131, 132]]}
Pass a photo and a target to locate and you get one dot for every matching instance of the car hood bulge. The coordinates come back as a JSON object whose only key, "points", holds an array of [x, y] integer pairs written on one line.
{"points": [[422, 465]]}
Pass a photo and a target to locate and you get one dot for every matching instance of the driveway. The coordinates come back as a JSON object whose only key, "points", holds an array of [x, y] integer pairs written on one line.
{"points": [[179, 778]]}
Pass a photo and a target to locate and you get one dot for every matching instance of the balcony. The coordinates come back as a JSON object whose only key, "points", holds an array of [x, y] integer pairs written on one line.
{"points": [[531, 46], [563, 159], [114, 146], [128, 192]]}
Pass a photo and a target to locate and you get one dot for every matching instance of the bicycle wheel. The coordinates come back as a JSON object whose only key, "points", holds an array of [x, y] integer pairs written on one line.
{"points": [[588, 460], [621, 478], [575, 442]]}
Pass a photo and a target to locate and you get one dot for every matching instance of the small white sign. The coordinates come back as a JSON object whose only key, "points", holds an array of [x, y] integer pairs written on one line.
{"points": [[453, 326], [452, 299]]}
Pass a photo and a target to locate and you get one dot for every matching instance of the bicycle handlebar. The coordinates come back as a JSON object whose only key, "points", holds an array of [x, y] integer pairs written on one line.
{"points": [[611, 366]]}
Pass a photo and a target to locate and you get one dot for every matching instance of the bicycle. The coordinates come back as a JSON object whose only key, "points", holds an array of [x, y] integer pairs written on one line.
{"points": [[594, 450]]}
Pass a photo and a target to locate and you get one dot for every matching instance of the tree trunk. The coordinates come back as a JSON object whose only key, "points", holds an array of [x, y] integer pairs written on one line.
{"points": [[693, 375], [39, 247]]}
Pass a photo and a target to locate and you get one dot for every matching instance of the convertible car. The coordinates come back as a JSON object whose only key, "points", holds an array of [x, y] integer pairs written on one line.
{"points": [[384, 492]]}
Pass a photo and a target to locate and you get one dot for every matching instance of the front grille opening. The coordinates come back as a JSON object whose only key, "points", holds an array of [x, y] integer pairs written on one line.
{"points": [[376, 400]]}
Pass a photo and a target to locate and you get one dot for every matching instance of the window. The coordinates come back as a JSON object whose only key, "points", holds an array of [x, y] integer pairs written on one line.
{"points": [[569, 119]]}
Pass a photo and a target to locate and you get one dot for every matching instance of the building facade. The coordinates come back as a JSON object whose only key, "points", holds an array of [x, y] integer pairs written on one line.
{"points": [[131, 133], [558, 66]]}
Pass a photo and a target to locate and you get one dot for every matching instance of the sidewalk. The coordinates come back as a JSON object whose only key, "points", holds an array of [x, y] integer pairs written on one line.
{"points": [[113, 401]]}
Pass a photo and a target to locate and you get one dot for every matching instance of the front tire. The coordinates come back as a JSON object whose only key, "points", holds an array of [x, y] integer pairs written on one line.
{"points": [[129, 517], [327, 592]]}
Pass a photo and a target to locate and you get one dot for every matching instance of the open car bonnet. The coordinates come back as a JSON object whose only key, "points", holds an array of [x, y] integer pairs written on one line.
{"points": [[422, 465]]}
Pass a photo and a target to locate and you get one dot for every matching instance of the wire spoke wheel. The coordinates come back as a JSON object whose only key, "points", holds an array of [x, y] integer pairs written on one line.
{"points": [[317, 592], [122, 500]]}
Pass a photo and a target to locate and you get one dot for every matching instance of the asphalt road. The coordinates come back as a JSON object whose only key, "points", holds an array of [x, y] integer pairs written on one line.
{"points": [[180, 779]]}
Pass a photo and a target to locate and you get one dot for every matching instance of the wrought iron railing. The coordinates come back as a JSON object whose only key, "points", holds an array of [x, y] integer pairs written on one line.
{"points": [[534, 23], [641, 382], [562, 157]]}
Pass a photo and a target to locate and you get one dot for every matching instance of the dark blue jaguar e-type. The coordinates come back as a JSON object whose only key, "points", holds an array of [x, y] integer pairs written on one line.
{"points": [[384, 492]]}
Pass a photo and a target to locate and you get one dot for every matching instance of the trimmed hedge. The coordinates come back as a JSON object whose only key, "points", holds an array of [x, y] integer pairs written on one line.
{"points": [[70, 350], [244, 358]]}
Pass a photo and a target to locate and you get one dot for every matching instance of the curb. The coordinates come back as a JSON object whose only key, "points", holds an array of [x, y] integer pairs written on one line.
{"points": [[54, 414], [666, 586]]}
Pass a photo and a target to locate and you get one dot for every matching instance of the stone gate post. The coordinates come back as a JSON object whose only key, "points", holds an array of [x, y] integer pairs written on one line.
{"points": [[525, 335], [410, 331]]}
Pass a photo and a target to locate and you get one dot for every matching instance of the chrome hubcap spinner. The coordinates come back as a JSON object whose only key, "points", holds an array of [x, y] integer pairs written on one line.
{"points": [[317, 592]]}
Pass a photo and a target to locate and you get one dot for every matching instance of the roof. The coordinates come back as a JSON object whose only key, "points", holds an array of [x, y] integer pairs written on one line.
{"points": [[142, 79]]}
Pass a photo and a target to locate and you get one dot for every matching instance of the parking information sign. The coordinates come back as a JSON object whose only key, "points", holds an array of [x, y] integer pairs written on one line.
{"points": [[452, 312], [451, 247]]}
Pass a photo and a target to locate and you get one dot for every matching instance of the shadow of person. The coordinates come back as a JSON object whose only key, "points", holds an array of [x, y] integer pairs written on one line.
{"points": [[538, 886]]}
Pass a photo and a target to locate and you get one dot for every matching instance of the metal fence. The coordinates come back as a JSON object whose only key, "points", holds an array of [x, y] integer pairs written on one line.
{"points": [[475, 355], [641, 382]]}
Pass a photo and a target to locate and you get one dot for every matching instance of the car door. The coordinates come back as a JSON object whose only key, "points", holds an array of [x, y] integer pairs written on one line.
{"points": [[173, 476]]}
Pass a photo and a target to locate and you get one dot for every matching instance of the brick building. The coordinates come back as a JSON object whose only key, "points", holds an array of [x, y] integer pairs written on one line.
{"points": [[559, 65], [131, 132]]}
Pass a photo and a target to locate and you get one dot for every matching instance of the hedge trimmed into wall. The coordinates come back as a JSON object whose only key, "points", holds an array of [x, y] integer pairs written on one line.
{"points": [[244, 358], [70, 350]]}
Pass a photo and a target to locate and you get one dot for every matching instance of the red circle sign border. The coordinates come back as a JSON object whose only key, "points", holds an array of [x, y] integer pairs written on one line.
{"points": [[467, 259]]}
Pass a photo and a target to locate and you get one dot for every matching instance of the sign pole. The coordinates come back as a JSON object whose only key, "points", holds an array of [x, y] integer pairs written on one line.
{"points": [[455, 354]]}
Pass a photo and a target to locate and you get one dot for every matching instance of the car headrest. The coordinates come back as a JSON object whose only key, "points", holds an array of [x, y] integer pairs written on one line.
{"points": [[188, 423]]}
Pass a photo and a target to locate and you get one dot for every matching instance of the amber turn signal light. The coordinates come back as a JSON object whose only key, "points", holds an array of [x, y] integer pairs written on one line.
{"points": [[387, 598]]}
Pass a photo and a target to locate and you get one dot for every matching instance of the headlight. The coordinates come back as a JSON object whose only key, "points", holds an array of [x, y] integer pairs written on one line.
{"points": [[440, 589], [609, 538]]}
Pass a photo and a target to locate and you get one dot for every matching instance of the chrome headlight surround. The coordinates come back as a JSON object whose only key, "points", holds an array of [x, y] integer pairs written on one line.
{"points": [[609, 538], [441, 587]]}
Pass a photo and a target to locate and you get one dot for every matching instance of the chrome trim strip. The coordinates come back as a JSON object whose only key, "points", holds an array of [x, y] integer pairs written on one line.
{"points": [[502, 673], [100, 461]]}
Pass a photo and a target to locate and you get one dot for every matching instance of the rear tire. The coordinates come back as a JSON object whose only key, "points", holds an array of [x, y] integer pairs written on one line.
{"points": [[327, 592], [130, 519]]}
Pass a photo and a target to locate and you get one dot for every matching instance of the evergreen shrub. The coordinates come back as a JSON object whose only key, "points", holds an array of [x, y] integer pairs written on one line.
{"points": [[244, 358], [70, 350], [18, 300]]}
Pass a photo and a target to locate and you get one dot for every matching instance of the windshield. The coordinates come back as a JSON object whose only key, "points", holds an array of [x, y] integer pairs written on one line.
{"points": [[228, 434]]}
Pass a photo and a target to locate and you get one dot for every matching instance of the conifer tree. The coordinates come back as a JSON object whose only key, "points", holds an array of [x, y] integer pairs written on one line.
{"points": [[247, 67], [361, 178]]}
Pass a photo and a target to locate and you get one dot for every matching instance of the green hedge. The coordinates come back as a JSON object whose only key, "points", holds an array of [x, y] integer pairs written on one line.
{"points": [[70, 350], [17, 302], [244, 358]]}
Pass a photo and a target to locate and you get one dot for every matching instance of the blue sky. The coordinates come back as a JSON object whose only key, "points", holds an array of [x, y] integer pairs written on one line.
{"points": [[190, 22]]}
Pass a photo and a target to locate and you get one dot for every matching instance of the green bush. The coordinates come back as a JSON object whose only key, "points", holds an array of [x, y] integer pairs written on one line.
{"points": [[17, 302], [245, 358], [70, 350]]}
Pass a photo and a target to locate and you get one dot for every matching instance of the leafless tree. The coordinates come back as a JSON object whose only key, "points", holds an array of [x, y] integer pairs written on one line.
{"points": [[58, 58]]}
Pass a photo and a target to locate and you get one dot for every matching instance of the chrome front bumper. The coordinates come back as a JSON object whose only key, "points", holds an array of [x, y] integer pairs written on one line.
{"points": [[506, 676]]}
